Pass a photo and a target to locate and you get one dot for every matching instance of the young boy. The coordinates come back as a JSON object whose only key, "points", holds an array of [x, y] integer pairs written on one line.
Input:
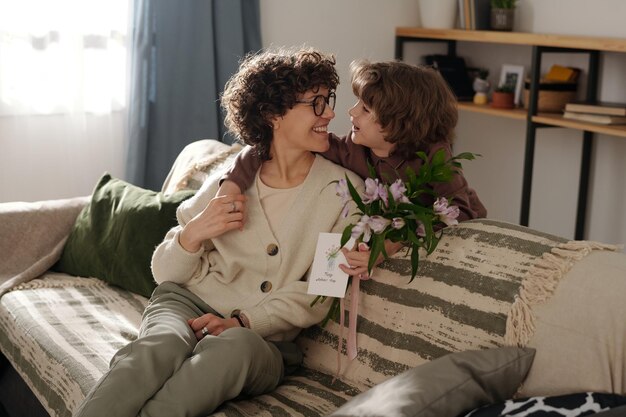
{"points": [[401, 109]]}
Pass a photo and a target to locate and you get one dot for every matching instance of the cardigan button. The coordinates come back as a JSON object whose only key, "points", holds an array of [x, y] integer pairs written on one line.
{"points": [[272, 249], [266, 286]]}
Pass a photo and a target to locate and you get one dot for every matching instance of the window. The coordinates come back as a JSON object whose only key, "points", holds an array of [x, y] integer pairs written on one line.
{"points": [[62, 56]]}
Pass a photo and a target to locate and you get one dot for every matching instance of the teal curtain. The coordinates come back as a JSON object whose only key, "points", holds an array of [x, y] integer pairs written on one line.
{"points": [[182, 54]]}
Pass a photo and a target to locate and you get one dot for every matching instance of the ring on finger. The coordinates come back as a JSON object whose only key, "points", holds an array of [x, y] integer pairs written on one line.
{"points": [[204, 331], [234, 209]]}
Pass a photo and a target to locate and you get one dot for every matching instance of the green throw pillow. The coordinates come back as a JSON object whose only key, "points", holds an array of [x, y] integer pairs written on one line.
{"points": [[116, 233]]}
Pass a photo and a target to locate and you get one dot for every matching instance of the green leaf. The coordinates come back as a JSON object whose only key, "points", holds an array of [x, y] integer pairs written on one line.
{"points": [[439, 158], [370, 169], [332, 312], [466, 155], [377, 246], [355, 196], [347, 233]]}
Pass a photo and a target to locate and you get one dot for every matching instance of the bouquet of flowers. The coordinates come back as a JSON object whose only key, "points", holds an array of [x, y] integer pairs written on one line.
{"points": [[395, 211]]}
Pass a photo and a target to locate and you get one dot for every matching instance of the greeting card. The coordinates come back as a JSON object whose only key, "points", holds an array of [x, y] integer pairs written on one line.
{"points": [[326, 278]]}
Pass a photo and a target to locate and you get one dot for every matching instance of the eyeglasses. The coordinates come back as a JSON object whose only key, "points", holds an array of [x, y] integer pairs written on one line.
{"points": [[320, 102]]}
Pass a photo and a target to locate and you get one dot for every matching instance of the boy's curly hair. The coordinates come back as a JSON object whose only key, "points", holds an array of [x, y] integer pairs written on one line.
{"points": [[267, 85], [413, 104]]}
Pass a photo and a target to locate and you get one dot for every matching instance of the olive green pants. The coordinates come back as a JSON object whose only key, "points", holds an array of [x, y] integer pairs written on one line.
{"points": [[166, 371]]}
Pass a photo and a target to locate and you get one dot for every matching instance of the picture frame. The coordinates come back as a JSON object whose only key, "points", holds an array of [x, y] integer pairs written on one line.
{"points": [[513, 74]]}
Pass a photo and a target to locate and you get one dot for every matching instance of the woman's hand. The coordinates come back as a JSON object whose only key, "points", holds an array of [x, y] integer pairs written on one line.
{"points": [[231, 188], [221, 215], [212, 324]]}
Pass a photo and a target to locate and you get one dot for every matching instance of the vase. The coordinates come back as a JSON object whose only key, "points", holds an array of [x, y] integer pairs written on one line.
{"points": [[438, 14], [502, 19], [502, 100]]}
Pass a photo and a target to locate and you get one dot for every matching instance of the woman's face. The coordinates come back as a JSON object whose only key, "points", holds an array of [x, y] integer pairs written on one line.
{"points": [[366, 130], [301, 128]]}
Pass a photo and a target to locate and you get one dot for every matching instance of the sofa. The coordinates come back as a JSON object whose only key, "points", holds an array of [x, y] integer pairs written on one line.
{"points": [[499, 318]]}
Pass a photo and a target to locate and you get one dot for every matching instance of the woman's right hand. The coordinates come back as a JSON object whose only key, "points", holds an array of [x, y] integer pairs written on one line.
{"points": [[222, 214]]}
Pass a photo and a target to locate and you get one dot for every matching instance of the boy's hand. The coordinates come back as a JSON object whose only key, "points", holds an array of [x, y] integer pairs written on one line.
{"points": [[358, 259], [231, 188]]}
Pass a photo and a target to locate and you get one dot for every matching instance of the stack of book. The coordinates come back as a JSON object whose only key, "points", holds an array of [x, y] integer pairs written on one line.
{"points": [[601, 113], [474, 14]]}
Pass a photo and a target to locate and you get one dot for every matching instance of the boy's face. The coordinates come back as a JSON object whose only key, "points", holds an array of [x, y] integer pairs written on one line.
{"points": [[366, 130]]}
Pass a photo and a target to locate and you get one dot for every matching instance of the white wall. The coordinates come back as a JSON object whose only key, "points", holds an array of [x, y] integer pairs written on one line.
{"points": [[33, 168], [354, 29]]}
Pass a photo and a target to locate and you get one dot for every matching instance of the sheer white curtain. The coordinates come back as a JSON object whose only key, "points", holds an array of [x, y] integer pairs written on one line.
{"points": [[63, 71]]}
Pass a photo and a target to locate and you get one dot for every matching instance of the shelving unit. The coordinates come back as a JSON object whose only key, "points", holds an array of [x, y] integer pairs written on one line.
{"points": [[540, 43]]}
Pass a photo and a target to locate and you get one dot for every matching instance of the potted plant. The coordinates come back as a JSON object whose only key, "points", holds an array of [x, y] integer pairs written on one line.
{"points": [[503, 97], [502, 14]]}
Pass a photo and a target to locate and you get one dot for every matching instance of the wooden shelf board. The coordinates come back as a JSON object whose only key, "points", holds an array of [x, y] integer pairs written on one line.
{"points": [[517, 38], [518, 114], [555, 119]]}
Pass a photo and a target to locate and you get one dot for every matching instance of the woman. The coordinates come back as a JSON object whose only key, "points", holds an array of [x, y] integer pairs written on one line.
{"points": [[230, 302]]}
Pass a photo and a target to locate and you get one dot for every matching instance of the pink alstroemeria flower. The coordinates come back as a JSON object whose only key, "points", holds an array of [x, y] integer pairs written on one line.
{"points": [[367, 225], [342, 191], [447, 214], [372, 190], [421, 230], [398, 191], [397, 223]]}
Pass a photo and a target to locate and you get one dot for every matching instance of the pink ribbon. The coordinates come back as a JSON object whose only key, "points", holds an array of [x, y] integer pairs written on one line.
{"points": [[351, 347]]}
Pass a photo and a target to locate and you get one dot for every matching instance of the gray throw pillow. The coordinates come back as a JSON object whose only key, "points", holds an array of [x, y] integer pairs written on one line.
{"points": [[447, 386]]}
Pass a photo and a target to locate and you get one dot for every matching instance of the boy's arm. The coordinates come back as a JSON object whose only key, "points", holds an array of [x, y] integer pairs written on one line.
{"points": [[342, 151], [241, 173], [346, 153], [462, 195]]}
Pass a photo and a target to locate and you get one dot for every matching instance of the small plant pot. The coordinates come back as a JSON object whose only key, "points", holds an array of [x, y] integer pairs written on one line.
{"points": [[502, 100], [502, 19]]}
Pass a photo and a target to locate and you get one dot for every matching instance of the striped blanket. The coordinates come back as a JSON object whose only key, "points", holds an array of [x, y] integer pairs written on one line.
{"points": [[60, 332]]}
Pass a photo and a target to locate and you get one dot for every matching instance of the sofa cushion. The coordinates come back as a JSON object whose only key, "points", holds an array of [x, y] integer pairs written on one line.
{"points": [[43, 228], [580, 331], [447, 386], [115, 234], [196, 162]]}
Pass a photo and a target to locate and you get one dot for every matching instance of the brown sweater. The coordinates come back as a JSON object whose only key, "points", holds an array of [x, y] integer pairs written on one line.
{"points": [[355, 157]]}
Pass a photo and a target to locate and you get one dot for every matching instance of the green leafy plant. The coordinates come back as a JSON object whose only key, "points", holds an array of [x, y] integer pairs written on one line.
{"points": [[505, 88], [503, 4]]}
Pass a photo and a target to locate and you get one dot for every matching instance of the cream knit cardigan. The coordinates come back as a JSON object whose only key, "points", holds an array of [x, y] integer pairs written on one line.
{"points": [[229, 271]]}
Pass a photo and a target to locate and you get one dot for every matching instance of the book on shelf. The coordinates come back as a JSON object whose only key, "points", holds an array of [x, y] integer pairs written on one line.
{"points": [[461, 6], [482, 14], [474, 14], [611, 109], [603, 119]]}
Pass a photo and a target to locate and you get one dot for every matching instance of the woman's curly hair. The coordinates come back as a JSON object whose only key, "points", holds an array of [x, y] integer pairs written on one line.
{"points": [[413, 104], [267, 85]]}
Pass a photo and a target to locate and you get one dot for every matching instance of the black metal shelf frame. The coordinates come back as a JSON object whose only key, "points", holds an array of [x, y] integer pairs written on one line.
{"points": [[531, 126]]}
